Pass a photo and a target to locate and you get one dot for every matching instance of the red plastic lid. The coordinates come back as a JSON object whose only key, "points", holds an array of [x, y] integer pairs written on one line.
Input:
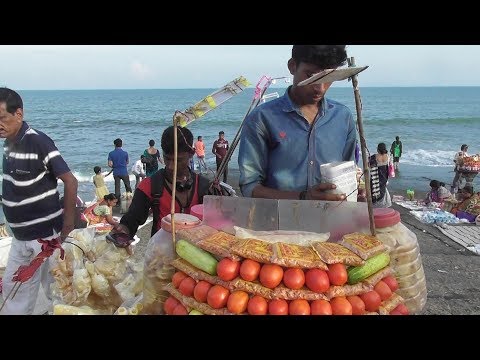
{"points": [[385, 217], [197, 210]]}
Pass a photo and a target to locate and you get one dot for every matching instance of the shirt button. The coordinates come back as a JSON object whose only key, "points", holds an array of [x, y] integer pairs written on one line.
{"points": [[311, 162]]}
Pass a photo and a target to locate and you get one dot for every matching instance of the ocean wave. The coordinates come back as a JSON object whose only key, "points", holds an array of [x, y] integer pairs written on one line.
{"points": [[431, 158], [388, 122]]}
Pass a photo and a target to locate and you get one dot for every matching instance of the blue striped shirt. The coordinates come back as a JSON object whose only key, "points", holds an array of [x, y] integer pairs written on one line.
{"points": [[281, 150], [31, 166]]}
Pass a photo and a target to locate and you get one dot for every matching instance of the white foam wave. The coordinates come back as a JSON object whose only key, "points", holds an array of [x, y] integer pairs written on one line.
{"points": [[434, 158], [89, 178]]}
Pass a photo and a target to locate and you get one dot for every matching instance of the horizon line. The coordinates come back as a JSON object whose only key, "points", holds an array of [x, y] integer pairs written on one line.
{"points": [[210, 88]]}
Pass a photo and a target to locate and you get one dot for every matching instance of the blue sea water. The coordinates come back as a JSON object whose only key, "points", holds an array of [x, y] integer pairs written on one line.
{"points": [[432, 123]]}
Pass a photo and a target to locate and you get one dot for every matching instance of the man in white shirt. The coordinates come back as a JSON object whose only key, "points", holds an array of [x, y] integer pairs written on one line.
{"points": [[138, 170], [460, 154]]}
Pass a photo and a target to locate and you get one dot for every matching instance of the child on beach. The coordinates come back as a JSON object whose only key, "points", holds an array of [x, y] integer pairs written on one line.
{"points": [[99, 182]]}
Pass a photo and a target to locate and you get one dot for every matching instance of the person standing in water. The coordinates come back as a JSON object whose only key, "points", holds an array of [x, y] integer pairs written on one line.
{"points": [[396, 151]]}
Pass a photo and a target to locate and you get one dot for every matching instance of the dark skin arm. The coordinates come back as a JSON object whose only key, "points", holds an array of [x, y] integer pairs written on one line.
{"points": [[318, 192], [70, 200]]}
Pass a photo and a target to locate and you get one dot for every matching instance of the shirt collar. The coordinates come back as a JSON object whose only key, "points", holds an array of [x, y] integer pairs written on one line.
{"points": [[21, 133], [288, 105]]}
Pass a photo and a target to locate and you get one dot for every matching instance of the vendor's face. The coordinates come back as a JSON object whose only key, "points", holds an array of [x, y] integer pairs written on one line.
{"points": [[302, 71], [183, 164]]}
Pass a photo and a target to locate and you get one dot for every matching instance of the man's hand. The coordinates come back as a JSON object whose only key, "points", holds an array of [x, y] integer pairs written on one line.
{"points": [[121, 229], [320, 192]]}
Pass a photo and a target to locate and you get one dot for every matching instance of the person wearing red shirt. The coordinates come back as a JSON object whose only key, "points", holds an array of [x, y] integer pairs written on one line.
{"points": [[219, 149]]}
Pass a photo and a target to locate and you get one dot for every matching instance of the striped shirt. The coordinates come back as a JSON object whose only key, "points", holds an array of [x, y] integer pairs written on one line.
{"points": [[31, 166]]}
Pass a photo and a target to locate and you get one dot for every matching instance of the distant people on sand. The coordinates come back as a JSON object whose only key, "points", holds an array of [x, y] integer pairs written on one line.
{"points": [[460, 154], [379, 177], [200, 152], [469, 207], [152, 158], [118, 160], [99, 182], [219, 149], [101, 211], [284, 141], [438, 192], [396, 151], [138, 169]]}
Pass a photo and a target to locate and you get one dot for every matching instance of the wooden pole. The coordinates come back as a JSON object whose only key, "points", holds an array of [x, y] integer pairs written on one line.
{"points": [[174, 178], [363, 146]]}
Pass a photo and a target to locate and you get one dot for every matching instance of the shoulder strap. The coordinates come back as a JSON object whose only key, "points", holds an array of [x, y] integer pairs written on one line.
{"points": [[156, 191]]}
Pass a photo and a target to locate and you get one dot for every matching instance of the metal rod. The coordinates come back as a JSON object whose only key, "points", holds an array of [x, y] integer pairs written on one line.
{"points": [[363, 146], [174, 178]]}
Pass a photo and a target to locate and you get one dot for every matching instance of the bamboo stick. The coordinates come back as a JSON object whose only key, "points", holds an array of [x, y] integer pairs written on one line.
{"points": [[174, 178], [363, 146]]}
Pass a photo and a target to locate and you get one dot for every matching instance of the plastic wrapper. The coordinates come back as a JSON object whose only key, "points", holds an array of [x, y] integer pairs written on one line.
{"points": [[390, 304], [291, 255], [370, 282], [133, 306], [303, 238], [194, 235], [157, 271], [220, 244], [197, 274], [282, 292], [91, 269], [253, 249], [333, 253], [191, 303], [61, 309], [365, 246], [345, 290]]}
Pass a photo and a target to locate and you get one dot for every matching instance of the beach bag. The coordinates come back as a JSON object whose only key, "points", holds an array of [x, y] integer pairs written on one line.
{"points": [[391, 170]]}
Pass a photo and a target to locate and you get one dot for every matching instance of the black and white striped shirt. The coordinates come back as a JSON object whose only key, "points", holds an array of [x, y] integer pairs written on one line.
{"points": [[31, 166]]}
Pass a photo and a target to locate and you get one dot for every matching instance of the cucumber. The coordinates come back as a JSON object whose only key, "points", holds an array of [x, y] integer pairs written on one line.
{"points": [[195, 312], [371, 266], [197, 257]]}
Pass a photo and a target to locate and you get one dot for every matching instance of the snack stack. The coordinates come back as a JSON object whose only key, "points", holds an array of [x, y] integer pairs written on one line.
{"points": [[222, 275], [470, 163]]}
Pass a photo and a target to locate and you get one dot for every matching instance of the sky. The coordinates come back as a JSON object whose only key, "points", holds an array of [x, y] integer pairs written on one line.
{"points": [[64, 67]]}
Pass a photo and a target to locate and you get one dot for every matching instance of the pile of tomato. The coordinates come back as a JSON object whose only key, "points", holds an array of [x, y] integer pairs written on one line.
{"points": [[271, 276]]}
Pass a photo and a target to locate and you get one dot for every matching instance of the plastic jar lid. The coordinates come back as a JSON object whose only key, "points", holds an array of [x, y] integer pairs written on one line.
{"points": [[197, 210], [182, 221], [385, 217]]}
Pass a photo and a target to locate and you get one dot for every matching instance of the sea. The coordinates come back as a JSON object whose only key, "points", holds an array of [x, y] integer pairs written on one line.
{"points": [[432, 122]]}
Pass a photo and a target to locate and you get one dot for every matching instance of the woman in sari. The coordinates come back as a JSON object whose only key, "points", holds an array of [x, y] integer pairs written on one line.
{"points": [[101, 212], [469, 208]]}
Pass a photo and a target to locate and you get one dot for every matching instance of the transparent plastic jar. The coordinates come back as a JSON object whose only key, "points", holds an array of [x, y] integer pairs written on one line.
{"points": [[405, 257], [157, 270]]}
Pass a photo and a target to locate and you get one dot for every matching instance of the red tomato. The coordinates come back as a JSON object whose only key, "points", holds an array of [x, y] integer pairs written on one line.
{"points": [[201, 290], [299, 307], [271, 275], [317, 280], [337, 274], [186, 286], [383, 290], [391, 282], [257, 305], [180, 310], [321, 307], [294, 278], [249, 270], [170, 305], [228, 269], [278, 307], [402, 309], [217, 296], [341, 306], [372, 300], [395, 312], [237, 302], [177, 278], [358, 306]]}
